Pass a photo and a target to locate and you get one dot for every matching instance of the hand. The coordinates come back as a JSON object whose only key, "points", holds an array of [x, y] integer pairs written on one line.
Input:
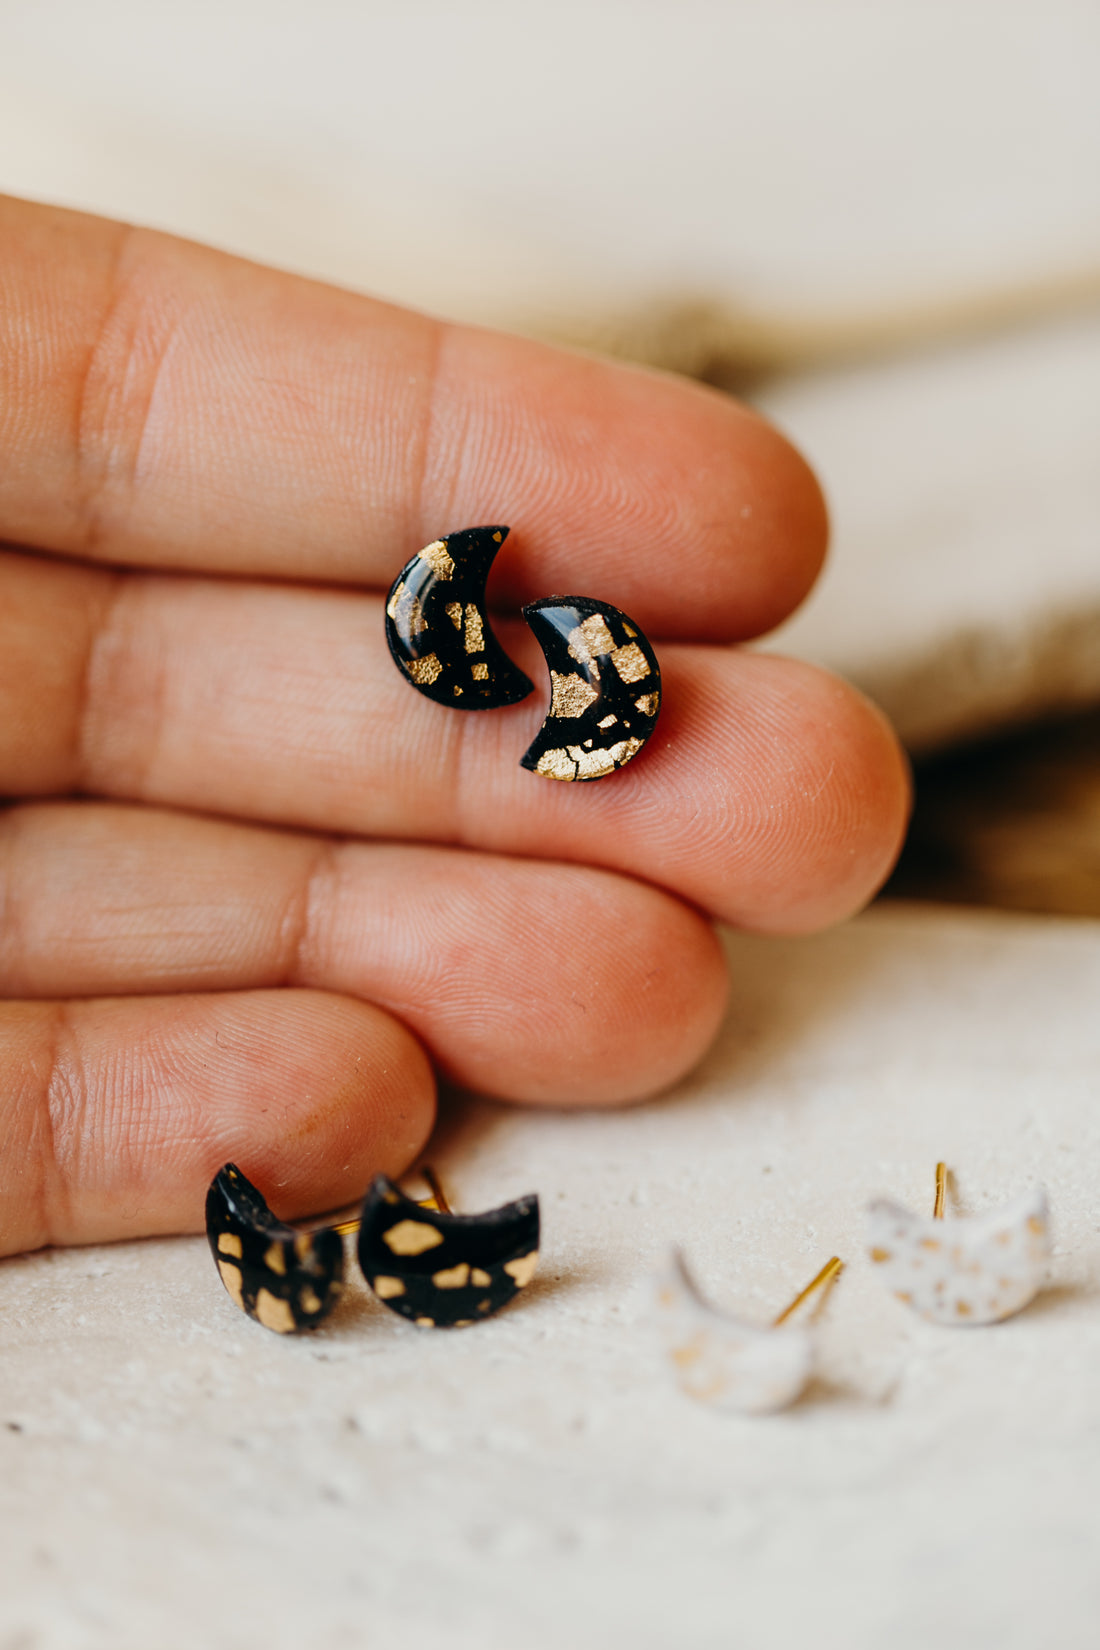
{"points": [[255, 887]]}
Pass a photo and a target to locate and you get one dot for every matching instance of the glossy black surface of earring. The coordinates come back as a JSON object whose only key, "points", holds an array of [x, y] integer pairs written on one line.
{"points": [[445, 1271], [438, 629], [283, 1278], [605, 687]]}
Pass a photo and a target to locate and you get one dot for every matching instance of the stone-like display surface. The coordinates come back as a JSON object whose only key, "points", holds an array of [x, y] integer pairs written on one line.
{"points": [[171, 1474]]}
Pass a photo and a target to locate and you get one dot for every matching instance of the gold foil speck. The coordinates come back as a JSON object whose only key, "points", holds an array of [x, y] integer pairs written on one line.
{"points": [[630, 662], [571, 695], [405, 611], [274, 1259], [424, 670], [480, 673], [593, 764], [233, 1281], [453, 1277], [274, 1313], [523, 1269], [309, 1301], [574, 762], [453, 611], [480, 1279], [411, 1237], [230, 1244], [648, 703], [590, 639], [608, 722], [437, 558], [475, 639], [556, 764], [386, 1288]]}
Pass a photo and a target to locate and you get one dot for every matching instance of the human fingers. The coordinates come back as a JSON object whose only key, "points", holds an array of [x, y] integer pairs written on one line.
{"points": [[525, 980], [164, 404], [771, 794], [115, 1115]]}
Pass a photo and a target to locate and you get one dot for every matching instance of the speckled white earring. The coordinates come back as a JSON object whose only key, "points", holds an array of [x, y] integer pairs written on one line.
{"points": [[753, 1369], [971, 1271]]}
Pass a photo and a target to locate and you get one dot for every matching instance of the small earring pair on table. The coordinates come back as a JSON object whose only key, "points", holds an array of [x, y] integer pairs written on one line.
{"points": [[604, 676], [975, 1271], [441, 1270]]}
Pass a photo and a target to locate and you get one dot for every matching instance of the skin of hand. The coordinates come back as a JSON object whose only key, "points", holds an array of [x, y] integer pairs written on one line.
{"points": [[256, 891]]}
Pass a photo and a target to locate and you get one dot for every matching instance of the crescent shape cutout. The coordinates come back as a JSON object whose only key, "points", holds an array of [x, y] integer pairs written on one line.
{"points": [[445, 1271], [285, 1279], [605, 688], [963, 1271], [438, 629], [721, 1360]]}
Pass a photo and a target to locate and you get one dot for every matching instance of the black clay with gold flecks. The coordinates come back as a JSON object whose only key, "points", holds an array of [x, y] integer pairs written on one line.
{"points": [[438, 630], [445, 1271], [284, 1279], [605, 687]]}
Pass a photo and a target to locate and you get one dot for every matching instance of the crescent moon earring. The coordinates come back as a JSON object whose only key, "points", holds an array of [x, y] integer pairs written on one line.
{"points": [[438, 629], [439, 1269], [605, 688], [285, 1276], [753, 1369], [973, 1271], [605, 682]]}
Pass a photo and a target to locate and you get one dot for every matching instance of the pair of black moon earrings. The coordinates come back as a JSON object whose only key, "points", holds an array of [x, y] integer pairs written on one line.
{"points": [[441, 1270], [605, 683]]}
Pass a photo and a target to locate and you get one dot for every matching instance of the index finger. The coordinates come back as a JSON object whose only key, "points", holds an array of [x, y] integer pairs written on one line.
{"points": [[164, 404]]}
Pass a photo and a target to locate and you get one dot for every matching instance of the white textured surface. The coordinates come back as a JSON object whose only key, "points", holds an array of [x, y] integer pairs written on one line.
{"points": [[181, 1477]]}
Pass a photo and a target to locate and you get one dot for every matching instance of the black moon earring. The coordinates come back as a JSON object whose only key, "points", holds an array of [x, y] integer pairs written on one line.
{"points": [[438, 630], [442, 1270], [284, 1278], [605, 688]]}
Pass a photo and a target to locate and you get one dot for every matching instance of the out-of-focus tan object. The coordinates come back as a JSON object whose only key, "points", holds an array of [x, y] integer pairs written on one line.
{"points": [[1015, 823], [964, 589]]}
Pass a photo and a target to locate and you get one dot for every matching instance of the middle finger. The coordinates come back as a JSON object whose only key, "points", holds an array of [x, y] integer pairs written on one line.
{"points": [[771, 794], [529, 981]]}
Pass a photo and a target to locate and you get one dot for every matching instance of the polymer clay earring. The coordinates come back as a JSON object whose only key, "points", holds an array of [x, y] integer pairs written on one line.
{"points": [[973, 1271], [442, 1270], [753, 1369], [605, 682], [286, 1277], [438, 629], [605, 687]]}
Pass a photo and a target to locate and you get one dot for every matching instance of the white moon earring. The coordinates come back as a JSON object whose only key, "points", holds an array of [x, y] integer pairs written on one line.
{"points": [[724, 1361], [972, 1271]]}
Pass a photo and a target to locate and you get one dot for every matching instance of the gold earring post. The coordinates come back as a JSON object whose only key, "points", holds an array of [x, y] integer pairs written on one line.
{"points": [[437, 1201], [829, 1272], [941, 1191]]}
